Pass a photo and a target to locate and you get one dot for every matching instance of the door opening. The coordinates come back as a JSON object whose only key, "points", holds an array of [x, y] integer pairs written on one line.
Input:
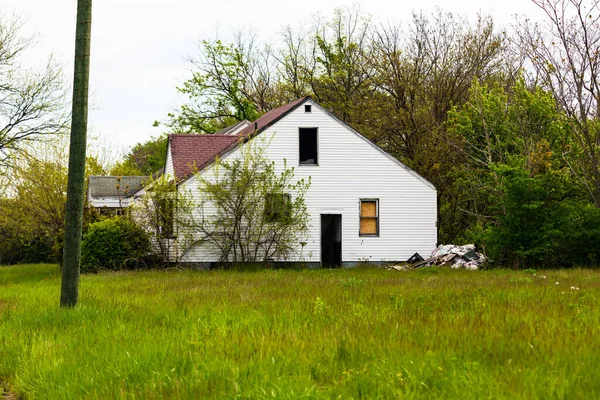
{"points": [[331, 240]]}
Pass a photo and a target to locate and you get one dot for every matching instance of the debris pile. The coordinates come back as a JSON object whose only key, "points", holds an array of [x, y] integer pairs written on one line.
{"points": [[454, 256]]}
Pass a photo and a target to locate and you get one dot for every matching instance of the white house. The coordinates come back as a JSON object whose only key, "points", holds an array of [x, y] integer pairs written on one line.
{"points": [[364, 205], [111, 194]]}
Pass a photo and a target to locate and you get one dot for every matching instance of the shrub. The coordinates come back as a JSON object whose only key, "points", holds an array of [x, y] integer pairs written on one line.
{"points": [[17, 250], [544, 224], [114, 243]]}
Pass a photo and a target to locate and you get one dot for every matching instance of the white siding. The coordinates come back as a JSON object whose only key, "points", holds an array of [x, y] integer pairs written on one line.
{"points": [[108, 201], [169, 169], [351, 168]]}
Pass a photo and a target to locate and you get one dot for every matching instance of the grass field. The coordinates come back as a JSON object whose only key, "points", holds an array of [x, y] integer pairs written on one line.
{"points": [[361, 333]]}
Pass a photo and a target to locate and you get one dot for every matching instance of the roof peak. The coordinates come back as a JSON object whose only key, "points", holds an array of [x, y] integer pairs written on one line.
{"points": [[272, 116]]}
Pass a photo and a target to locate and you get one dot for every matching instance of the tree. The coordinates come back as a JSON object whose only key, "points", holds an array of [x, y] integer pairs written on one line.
{"points": [[143, 159], [564, 53], [296, 63], [32, 211], [75, 190], [342, 78], [513, 183], [31, 102], [230, 83], [248, 211], [40, 191], [544, 219], [420, 73]]}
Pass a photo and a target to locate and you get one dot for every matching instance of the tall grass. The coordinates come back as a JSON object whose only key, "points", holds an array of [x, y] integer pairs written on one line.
{"points": [[361, 333]]}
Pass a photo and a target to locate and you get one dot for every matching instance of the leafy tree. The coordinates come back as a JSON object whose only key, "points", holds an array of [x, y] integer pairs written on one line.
{"points": [[93, 166], [144, 159], [517, 188], [32, 211], [31, 101], [421, 74], [564, 53], [544, 222], [248, 211], [498, 127], [230, 84], [342, 77]]}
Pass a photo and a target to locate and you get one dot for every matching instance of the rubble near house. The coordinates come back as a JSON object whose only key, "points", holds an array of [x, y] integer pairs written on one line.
{"points": [[455, 257]]}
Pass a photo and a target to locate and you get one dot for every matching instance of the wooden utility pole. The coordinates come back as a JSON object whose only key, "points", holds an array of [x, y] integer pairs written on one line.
{"points": [[75, 190]]}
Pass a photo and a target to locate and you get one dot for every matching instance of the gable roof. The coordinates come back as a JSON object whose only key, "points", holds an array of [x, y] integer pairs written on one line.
{"points": [[99, 186], [190, 152], [204, 151]]}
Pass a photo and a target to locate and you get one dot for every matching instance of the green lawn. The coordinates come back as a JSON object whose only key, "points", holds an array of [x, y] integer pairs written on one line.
{"points": [[361, 333]]}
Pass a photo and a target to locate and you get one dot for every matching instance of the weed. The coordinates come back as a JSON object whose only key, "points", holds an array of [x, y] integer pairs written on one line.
{"points": [[521, 279], [319, 306], [352, 283]]}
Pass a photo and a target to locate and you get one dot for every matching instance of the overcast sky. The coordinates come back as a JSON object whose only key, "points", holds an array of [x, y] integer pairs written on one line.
{"points": [[139, 46]]}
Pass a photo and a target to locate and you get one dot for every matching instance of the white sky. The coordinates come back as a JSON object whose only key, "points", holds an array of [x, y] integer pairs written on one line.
{"points": [[138, 46]]}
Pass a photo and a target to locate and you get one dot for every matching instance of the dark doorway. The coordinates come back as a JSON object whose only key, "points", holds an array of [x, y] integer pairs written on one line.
{"points": [[331, 240]]}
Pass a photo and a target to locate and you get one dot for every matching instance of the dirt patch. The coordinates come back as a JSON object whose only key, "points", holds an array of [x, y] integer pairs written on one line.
{"points": [[5, 393]]}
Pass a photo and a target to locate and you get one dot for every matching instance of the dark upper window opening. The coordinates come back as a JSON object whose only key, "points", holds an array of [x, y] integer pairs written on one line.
{"points": [[309, 146], [307, 108]]}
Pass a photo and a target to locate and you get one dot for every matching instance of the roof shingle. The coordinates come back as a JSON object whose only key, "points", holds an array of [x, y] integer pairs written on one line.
{"points": [[192, 152], [114, 185]]}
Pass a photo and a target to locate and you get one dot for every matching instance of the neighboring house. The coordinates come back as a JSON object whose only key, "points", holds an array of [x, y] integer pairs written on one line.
{"points": [[111, 194], [364, 205]]}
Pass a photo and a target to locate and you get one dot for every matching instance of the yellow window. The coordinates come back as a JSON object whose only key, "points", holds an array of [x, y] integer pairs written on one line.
{"points": [[369, 217]]}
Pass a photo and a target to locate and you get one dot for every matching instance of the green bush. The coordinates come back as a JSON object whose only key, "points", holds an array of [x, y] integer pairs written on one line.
{"points": [[115, 243], [17, 250], [544, 223]]}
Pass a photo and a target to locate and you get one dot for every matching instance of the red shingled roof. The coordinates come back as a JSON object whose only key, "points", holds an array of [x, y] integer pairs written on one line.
{"points": [[192, 152]]}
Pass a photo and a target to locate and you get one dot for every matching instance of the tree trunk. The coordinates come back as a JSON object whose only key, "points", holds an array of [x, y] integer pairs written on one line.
{"points": [[75, 190]]}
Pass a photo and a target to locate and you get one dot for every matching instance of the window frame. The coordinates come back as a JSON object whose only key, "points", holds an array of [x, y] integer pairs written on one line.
{"points": [[318, 150], [360, 217]]}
